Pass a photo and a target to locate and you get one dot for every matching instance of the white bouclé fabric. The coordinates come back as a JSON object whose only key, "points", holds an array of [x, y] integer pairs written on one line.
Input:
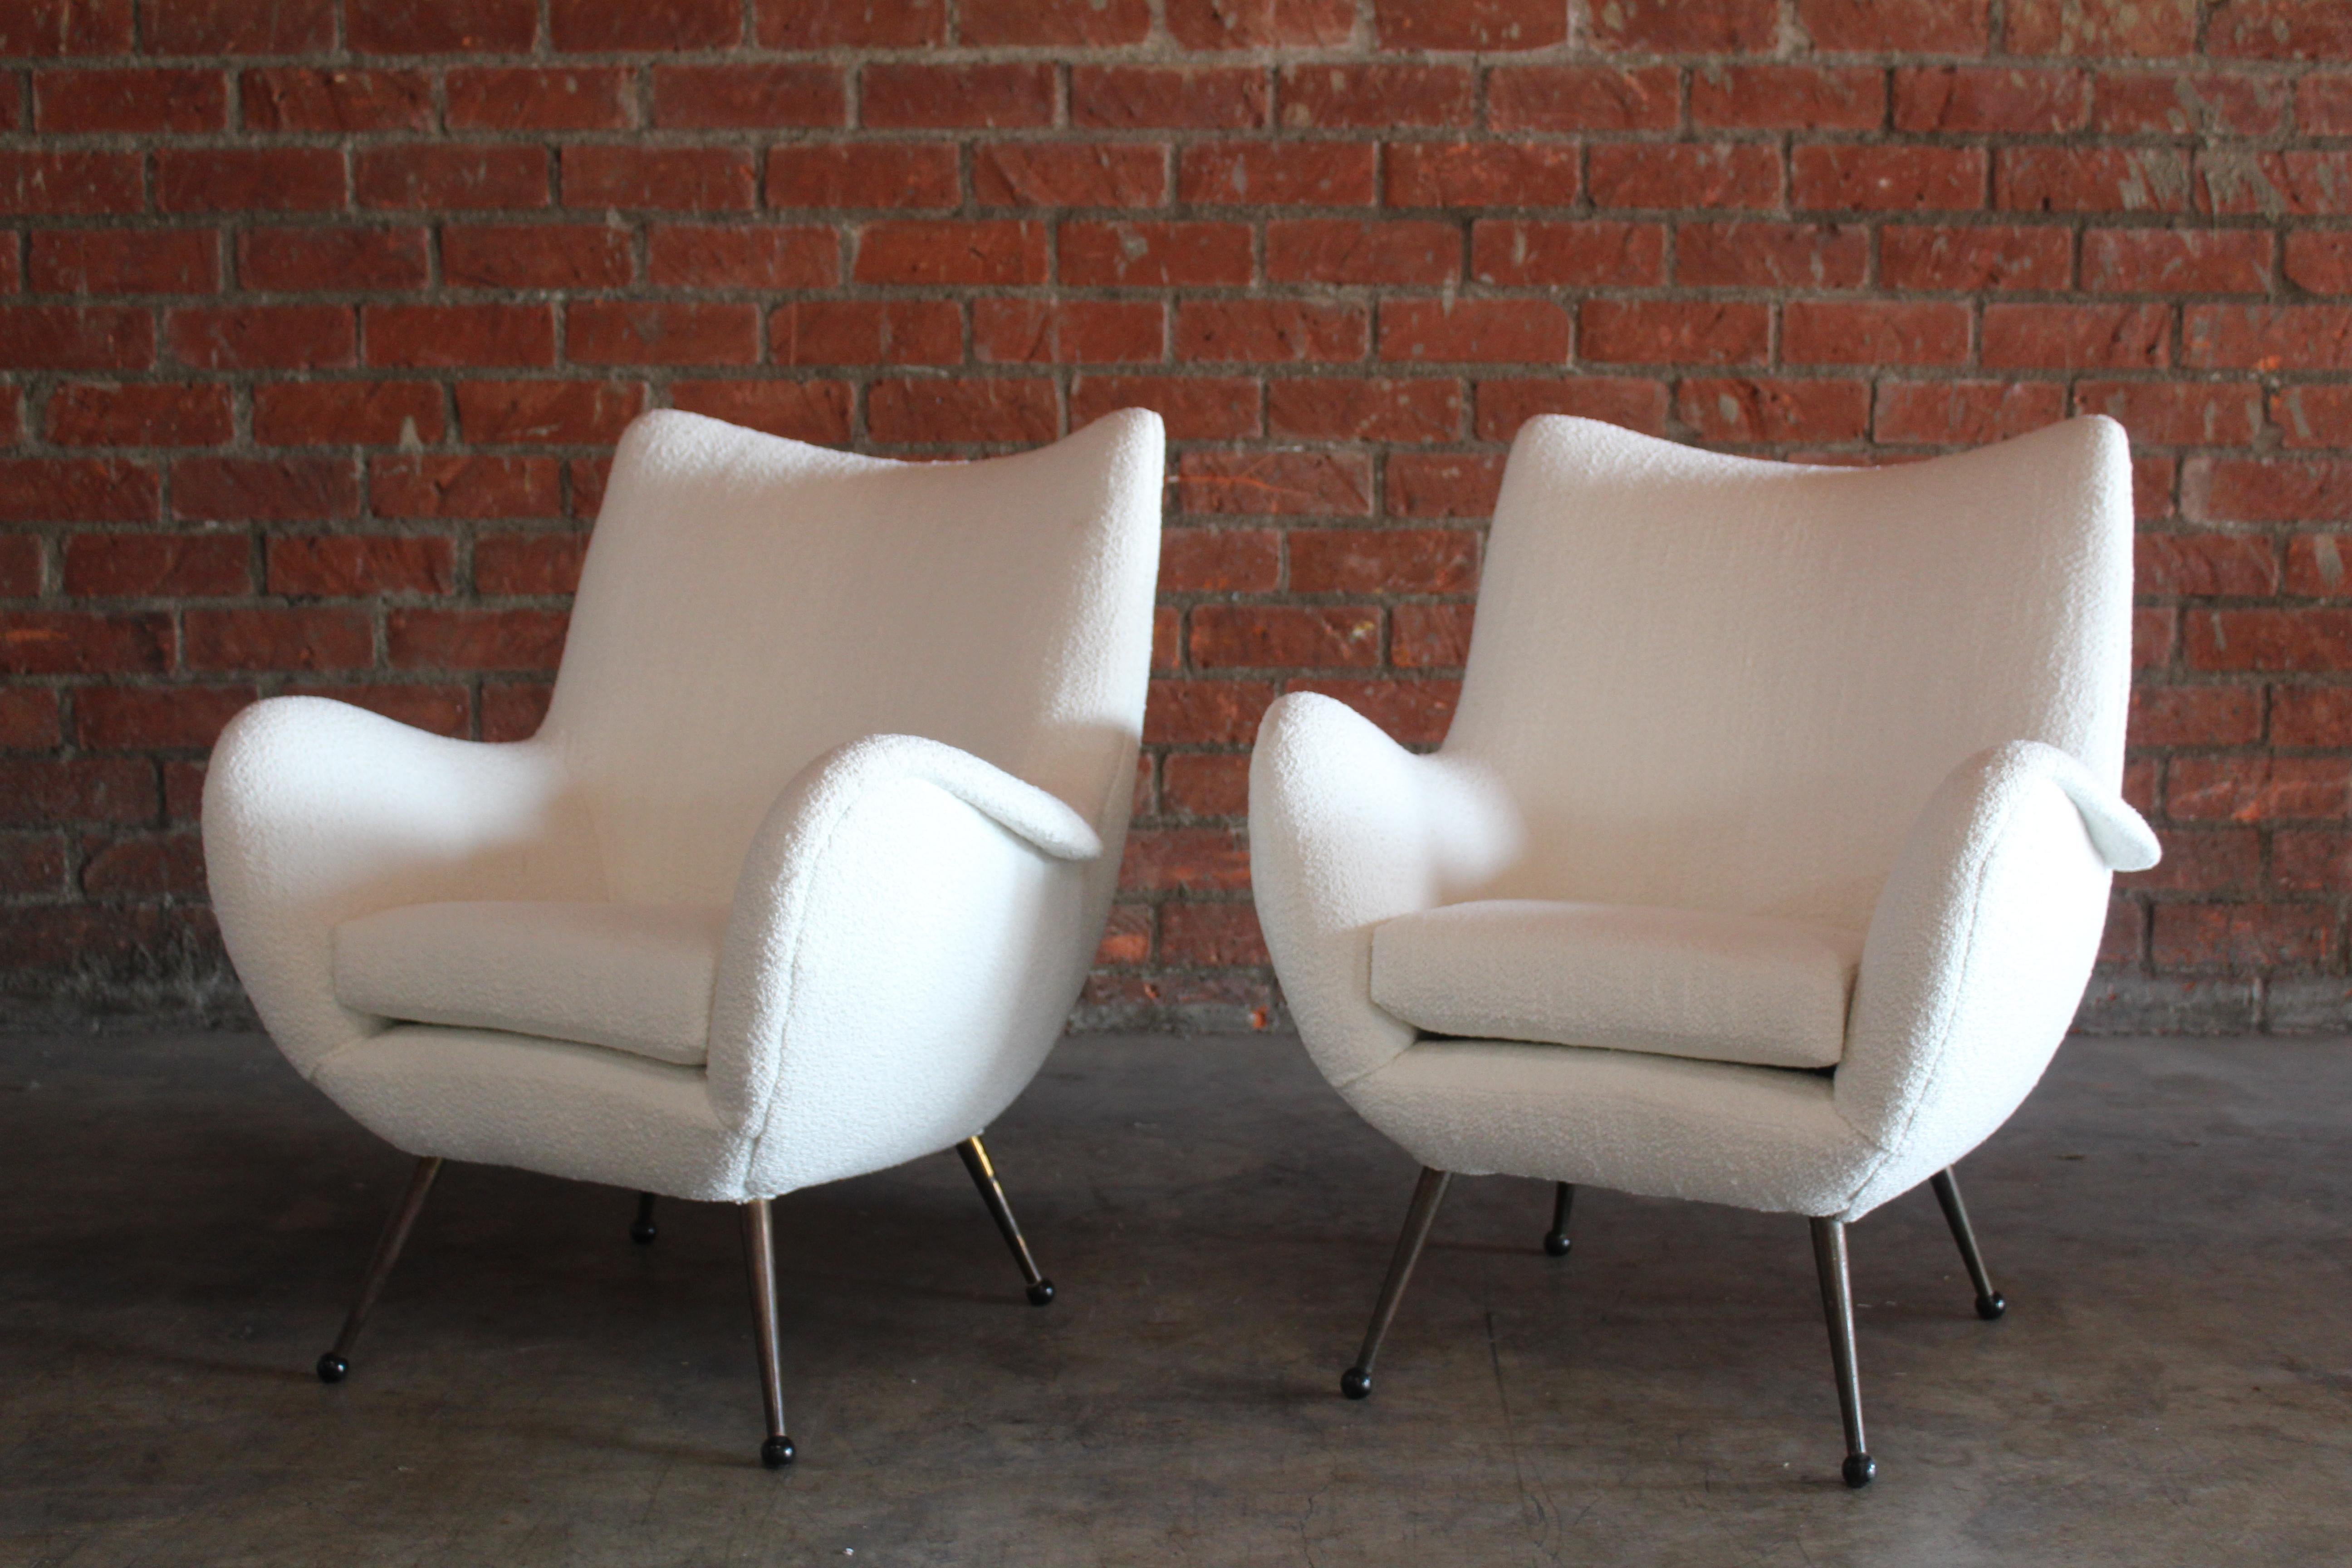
{"points": [[1888, 702], [805, 867]]}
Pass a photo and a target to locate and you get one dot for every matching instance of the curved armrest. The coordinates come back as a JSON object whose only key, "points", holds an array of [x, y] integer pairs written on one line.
{"points": [[1348, 829], [315, 812], [904, 941], [1977, 954]]}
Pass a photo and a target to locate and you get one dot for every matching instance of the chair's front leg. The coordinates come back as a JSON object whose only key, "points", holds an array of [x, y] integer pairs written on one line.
{"points": [[992, 1193], [1556, 1240], [1837, 1306], [760, 1253], [335, 1365], [1356, 1383], [642, 1230], [1990, 1304]]}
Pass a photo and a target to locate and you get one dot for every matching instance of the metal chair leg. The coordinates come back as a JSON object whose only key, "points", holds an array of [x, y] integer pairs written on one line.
{"points": [[335, 1365], [643, 1230], [759, 1254], [1356, 1383], [1990, 1304], [1837, 1306], [992, 1193], [1556, 1241]]}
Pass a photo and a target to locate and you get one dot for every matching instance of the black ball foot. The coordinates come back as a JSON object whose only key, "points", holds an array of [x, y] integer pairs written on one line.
{"points": [[1992, 1306], [1860, 1469], [776, 1453], [1557, 1244], [1356, 1383], [1041, 1294], [333, 1368], [643, 1234]]}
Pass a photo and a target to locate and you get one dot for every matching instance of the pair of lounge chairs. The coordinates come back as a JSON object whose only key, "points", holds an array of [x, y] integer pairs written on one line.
{"points": [[1764, 862]]}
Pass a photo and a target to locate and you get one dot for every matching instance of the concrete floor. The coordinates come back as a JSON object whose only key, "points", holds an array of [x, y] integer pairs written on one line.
{"points": [[182, 1220]]}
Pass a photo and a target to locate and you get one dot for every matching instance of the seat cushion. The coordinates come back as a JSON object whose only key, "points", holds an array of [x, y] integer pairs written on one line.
{"points": [[1677, 983], [630, 977]]}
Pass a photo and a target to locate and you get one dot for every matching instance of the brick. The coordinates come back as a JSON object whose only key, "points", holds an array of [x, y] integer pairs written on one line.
{"points": [[463, 485], [262, 490], [1507, 331], [933, 252], [2209, 860], [981, 96], [1413, 713], [1439, 484], [659, 179], [2309, 715], [50, 182], [727, 255], [1771, 254], [1584, 98], [1672, 332], [170, 864], [1212, 934], [1429, 636], [2091, 179], [249, 179], [434, 177], [2269, 489], [1332, 409], [2195, 716], [1679, 26], [2209, 103], [238, 26], [130, 102], [1173, 98], [299, 260], [660, 331], [866, 332], [76, 490], [1971, 99], [2267, 336], [335, 99], [1874, 26], [2176, 261], [263, 337], [962, 411], [1285, 637], [1788, 97], [121, 718], [2299, 182], [2076, 337], [1025, 174], [2322, 104], [546, 412], [1091, 23], [40, 28], [513, 709], [2258, 789], [589, 27], [1154, 254], [28, 717], [1278, 173], [475, 640], [361, 565], [2281, 30], [2303, 641], [529, 565], [1587, 252], [1220, 561], [278, 640], [1193, 407], [2320, 260], [1635, 403], [1965, 412], [2153, 639], [1374, 97], [124, 261], [441, 26], [2102, 27], [1197, 859], [339, 412], [2174, 413], [850, 23], [1206, 783], [1269, 332], [1886, 178], [2311, 415], [1067, 331], [813, 411], [2312, 861], [76, 337], [852, 175], [1383, 561], [157, 565], [1204, 713], [32, 863], [2173, 565], [1480, 174], [49, 791], [471, 336], [140, 415], [1488, 24], [749, 97], [1684, 175], [2241, 936], [535, 256], [1260, 24], [1278, 483], [20, 567], [521, 98], [1345, 251], [1762, 410], [1874, 332]]}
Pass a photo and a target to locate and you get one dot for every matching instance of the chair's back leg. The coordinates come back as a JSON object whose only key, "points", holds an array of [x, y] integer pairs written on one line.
{"points": [[1356, 1383], [335, 1365], [759, 1254], [1990, 1304], [1837, 1306], [1556, 1240], [992, 1193], [643, 1229]]}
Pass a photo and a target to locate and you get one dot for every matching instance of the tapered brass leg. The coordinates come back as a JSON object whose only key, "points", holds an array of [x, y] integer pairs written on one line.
{"points": [[1837, 1306], [759, 1254], [1556, 1241], [1356, 1383], [1990, 1304], [335, 1365], [992, 1193], [643, 1229]]}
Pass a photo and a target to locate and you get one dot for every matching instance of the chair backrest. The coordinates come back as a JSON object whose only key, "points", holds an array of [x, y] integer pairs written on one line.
{"points": [[749, 603], [1717, 683]]}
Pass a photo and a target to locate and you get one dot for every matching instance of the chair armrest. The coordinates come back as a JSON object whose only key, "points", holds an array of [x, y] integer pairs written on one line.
{"points": [[1977, 952], [1348, 829], [906, 938], [315, 812]]}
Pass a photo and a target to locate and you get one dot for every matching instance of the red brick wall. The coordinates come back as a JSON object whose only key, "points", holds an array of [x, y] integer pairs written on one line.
{"points": [[317, 321]]}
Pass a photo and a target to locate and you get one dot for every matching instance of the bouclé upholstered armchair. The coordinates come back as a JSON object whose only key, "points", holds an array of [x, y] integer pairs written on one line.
{"points": [[1768, 851], [800, 877]]}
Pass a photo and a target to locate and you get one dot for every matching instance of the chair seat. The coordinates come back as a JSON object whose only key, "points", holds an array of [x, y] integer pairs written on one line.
{"points": [[629, 977], [1677, 983]]}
